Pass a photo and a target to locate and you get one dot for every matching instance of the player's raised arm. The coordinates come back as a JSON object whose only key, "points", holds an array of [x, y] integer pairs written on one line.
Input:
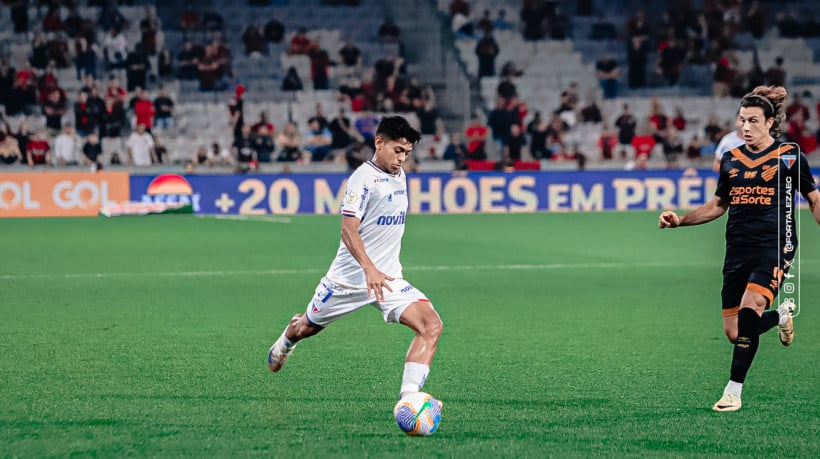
{"points": [[376, 280], [704, 214]]}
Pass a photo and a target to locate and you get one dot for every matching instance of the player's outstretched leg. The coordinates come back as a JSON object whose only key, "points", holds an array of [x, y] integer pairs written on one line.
{"points": [[298, 329], [423, 319]]}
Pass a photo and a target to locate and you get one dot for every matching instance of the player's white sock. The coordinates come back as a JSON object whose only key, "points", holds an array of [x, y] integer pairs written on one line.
{"points": [[734, 388], [285, 344], [414, 376], [784, 316]]}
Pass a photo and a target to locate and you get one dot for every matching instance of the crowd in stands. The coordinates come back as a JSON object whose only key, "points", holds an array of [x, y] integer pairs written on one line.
{"points": [[123, 110], [627, 136], [682, 36], [123, 102]]}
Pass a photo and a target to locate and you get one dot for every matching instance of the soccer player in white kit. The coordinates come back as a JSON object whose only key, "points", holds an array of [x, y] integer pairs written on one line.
{"points": [[366, 270]]}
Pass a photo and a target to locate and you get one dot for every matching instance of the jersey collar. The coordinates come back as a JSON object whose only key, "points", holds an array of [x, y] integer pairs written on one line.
{"points": [[374, 166]]}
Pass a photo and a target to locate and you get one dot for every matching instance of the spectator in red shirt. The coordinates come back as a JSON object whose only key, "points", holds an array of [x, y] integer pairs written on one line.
{"points": [[643, 145], [115, 92], [476, 135], [263, 123], [679, 121], [300, 43], [52, 21], [27, 74], [657, 119], [39, 152], [144, 112], [798, 132], [607, 142], [797, 107]]}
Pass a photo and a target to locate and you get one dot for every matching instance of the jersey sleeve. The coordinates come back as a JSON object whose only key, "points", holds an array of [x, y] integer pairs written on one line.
{"points": [[722, 190], [806, 180], [357, 194]]}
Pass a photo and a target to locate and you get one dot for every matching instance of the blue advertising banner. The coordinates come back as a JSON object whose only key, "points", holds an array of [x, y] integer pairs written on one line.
{"points": [[436, 192]]}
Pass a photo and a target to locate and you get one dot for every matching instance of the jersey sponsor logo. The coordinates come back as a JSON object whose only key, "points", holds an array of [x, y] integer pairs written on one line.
{"points": [[750, 174], [380, 180], [400, 192], [389, 220], [407, 289], [789, 160], [754, 195]]}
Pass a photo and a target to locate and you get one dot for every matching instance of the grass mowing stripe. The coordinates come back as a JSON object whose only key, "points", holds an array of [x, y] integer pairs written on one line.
{"points": [[274, 272]]}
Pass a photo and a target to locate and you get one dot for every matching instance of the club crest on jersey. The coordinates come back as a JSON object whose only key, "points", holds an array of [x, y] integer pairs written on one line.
{"points": [[768, 172], [789, 160]]}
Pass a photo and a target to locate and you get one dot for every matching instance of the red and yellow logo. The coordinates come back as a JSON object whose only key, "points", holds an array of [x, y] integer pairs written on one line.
{"points": [[169, 184], [171, 189]]}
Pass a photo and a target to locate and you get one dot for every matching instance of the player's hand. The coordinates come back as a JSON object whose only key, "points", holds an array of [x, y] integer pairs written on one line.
{"points": [[668, 219], [376, 281]]}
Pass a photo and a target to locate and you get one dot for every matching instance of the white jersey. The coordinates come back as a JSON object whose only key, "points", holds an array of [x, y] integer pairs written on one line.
{"points": [[379, 200], [728, 143]]}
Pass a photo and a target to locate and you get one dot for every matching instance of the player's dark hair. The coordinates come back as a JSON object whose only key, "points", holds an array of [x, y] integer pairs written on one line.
{"points": [[772, 100], [396, 128]]}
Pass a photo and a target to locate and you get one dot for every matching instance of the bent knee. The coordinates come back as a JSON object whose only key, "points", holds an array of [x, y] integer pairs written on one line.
{"points": [[433, 328]]}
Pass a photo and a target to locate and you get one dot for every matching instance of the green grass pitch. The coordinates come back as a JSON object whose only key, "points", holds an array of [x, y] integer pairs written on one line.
{"points": [[565, 335]]}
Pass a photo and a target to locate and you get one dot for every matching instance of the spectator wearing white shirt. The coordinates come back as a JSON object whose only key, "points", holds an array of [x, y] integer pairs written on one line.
{"points": [[115, 48], [66, 146], [140, 146], [217, 156]]}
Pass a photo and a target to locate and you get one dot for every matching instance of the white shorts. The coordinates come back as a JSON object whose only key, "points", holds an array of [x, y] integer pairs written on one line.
{"points": [[333, 301]]}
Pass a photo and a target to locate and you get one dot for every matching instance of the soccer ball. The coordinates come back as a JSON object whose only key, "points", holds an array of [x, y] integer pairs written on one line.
{"points": [[418, 413]]}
